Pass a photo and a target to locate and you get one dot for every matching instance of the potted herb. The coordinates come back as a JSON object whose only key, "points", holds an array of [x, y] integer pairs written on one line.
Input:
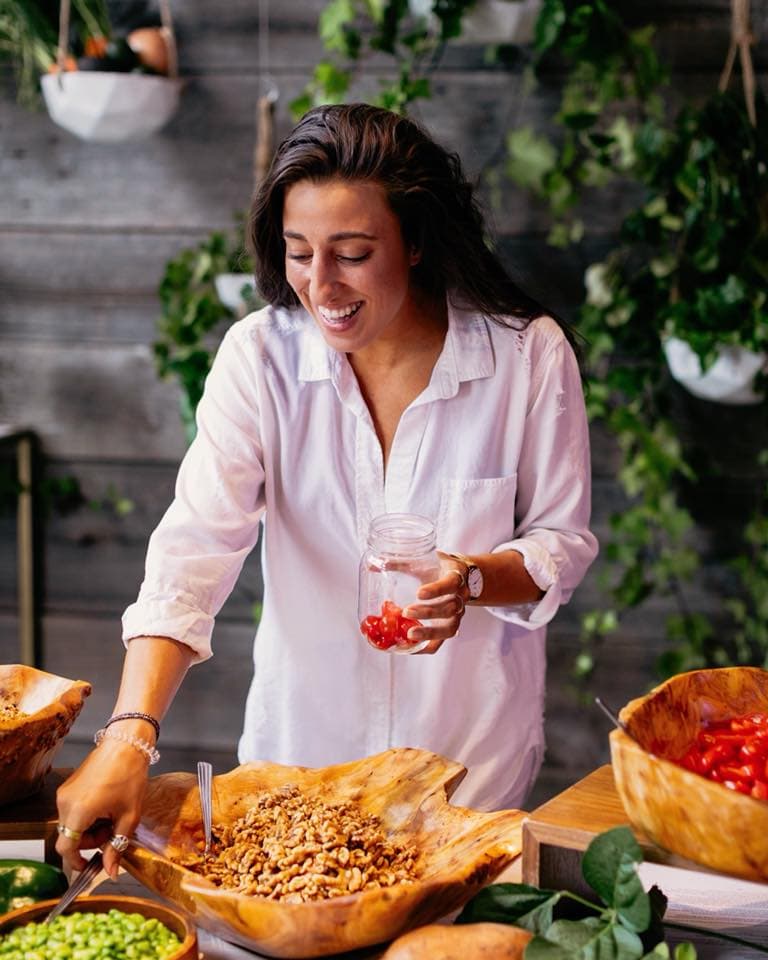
{"points": [[692, 264]]}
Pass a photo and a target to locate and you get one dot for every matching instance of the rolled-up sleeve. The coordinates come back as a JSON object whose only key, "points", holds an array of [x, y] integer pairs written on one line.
{"points": [[197, 550], [553, 502]]}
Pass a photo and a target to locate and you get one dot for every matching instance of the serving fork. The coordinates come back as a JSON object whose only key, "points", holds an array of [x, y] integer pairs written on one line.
{"points": [[89, 873], [205, 788]]}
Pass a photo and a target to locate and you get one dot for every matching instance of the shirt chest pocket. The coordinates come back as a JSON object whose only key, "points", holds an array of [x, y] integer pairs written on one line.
{"points": [[476, 515]]}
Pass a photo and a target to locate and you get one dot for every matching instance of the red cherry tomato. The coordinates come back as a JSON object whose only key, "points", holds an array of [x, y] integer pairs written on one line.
{"points": [[390, 629], [390, 609], [733, 752], [760, 790], [405, 625]]}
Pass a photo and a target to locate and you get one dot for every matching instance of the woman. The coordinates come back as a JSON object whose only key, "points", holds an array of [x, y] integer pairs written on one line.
{"points": [[397, 369]]}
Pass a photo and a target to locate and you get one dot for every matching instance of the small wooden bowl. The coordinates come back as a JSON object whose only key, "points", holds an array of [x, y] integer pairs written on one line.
{"points": [[173, 919], [683, 812], [50, 705]]}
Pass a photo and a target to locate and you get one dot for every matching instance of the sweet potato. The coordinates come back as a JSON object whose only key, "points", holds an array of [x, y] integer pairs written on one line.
{"points": [[471, 941]]}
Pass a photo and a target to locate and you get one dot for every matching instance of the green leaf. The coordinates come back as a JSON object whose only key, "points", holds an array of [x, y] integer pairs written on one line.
{"points": [[610, 868], [531, 157], [593, 939], [515, 903], [685, 951], [333, 81], [659, 952], [332, 23], [541, 949], [549, 24]]}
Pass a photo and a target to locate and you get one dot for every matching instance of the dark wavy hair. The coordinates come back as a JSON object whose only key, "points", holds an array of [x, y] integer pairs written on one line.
{"points": [[427, 191]]}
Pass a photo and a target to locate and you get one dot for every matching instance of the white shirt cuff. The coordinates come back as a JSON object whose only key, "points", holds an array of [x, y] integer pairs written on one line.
{"points": [[541, 568], [159, 618]]}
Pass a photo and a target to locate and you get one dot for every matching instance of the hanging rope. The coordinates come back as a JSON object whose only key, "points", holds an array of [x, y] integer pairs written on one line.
{"points": [[265, 105], [170, 39], [61, 52], [741, 41]]}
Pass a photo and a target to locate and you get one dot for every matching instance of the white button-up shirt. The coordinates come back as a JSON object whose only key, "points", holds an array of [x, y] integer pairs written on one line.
{"points": [[495, 450]]}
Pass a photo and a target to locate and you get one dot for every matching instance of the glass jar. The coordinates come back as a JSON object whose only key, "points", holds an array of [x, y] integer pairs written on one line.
{"points": [[400, 556]]}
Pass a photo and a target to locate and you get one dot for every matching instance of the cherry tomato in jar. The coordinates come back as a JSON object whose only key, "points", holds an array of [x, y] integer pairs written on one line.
{"points": [[390, 629], [405, 625]]}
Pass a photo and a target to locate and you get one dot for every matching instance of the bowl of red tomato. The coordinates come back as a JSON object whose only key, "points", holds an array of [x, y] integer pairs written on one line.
{"points": [[690, 762]]}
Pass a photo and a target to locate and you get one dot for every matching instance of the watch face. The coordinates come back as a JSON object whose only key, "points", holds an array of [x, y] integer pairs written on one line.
{"points": [[475, 582]]}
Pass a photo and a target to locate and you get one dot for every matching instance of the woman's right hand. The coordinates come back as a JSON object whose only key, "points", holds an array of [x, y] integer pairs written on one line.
{"points": [[103, 797]]}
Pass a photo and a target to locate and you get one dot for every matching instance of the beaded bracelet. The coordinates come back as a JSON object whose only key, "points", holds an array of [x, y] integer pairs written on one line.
{"points": [[142, 746], [135, 715]]}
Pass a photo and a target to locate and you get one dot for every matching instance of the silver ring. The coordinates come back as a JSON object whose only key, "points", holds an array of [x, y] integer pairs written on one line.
{"points": [[68, 832], [119, 842]]}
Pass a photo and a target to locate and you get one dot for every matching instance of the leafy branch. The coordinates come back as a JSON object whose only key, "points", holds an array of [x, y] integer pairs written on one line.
{"points": [[352, 31], [193, 317], [626, 924]]}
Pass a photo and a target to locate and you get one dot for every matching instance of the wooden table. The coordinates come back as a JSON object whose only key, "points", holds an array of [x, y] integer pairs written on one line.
{"points": [[556, 834], [35, 818]]}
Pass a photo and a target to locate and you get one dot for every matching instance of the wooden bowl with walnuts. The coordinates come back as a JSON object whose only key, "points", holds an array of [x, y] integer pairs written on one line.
{"points": [[37, 710], [683, 811], [311, 862]]}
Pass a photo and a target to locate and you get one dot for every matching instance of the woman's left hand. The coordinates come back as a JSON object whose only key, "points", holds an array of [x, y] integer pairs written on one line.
{"points": [[441, 603]]}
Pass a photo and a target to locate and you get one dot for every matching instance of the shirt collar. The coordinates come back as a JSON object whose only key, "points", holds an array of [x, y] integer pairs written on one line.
{"points": [[466, 355]]}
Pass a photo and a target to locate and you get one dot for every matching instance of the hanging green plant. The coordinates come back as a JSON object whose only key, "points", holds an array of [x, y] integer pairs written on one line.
{"points": [[29, 36], [691, 263], [611, 91], [413, 34], [193, 315]]}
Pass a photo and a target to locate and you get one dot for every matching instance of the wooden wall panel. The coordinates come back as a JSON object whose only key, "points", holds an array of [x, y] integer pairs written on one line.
{"points": [[85, 232]]}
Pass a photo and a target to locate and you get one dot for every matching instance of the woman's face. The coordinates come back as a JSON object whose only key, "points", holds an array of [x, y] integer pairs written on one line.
{"points": [[347, 263]]}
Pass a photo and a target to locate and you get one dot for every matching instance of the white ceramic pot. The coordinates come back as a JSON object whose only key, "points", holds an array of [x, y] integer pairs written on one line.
{"points": [[229, 288], [107, 106], [492, 21], [730, 379]]}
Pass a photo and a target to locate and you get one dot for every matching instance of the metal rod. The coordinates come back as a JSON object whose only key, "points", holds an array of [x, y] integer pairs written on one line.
{"points": [[25, 559], [609, 713]]}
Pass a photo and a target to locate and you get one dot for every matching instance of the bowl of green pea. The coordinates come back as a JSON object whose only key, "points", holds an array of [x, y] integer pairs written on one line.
{"points": [[98, 928]]}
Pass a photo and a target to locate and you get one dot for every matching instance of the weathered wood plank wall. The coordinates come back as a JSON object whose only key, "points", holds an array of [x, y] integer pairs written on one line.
{"points": [[85, 231]]}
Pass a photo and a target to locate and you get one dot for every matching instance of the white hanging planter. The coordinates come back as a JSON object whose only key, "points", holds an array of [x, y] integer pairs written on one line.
{"points": [[730, 379], [109, 106], [230, 288], [492, 21]]}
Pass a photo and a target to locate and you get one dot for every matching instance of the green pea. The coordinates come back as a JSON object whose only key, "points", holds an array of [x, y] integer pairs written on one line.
{"points": [[98, 936]]}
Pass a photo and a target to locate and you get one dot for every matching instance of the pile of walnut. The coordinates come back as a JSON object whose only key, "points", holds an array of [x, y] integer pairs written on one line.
{"points": [[9, 711], [294, 848]]}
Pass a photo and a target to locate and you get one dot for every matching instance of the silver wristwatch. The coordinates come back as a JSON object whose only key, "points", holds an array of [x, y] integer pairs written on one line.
{"points": [[474, 576]]}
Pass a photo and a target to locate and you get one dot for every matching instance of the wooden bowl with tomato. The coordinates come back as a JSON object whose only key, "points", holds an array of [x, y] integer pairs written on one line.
{"points": [[691, 768]]}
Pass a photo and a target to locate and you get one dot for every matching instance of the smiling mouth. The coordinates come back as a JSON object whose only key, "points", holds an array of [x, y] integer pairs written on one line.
{"points": [[341, 315]]}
